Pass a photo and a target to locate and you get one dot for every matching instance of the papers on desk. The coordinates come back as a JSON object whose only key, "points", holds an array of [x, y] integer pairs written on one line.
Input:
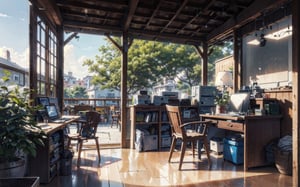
{"points": [[233, 114], [44, 126]]}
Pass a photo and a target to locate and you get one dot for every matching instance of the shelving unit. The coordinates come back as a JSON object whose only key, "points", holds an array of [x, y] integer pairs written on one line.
{"points": [[46, 163], [155, 120]]}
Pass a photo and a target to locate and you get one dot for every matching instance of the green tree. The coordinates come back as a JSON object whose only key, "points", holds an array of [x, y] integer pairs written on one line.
{"points": [[149, 63], [67, 93], [79, 92]]}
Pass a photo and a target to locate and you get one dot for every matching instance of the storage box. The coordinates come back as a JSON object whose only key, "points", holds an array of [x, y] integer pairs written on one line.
{"points": [[216, 145], [234, 150], [145, 142], [141, 100], [165, 141]]}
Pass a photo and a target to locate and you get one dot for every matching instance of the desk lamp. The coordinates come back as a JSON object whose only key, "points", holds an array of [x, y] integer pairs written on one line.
{"points": [[224, 79]]}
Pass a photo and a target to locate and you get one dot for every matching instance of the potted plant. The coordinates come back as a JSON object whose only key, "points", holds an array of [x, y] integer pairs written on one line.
{"points": [[221, 101], [19, 133]]}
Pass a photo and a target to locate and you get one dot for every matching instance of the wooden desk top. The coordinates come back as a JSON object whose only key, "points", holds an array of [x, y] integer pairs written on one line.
{"points": [[238, 117], [53, 127]]}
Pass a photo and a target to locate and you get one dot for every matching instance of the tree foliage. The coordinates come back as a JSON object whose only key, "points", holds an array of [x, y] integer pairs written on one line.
{"points": [[149, 62], [77, 92]]}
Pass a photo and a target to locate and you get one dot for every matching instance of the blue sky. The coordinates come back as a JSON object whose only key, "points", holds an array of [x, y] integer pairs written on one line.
{"points": [[14, 36]]}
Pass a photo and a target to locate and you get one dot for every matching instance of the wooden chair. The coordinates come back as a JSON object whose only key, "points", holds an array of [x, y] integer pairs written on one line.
{"points": [[115, 116], [78, 109], [179, 132], [87, 132]]}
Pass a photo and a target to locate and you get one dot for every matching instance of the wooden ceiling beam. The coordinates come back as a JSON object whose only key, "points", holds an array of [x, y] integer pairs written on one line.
{"points": [[68, 16], [197, 15], [175, 15], [132, 7], [153, 14], [50, 9], [249, 14]]}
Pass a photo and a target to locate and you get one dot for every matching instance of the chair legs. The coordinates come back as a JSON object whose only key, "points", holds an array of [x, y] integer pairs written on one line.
{"points": [[172, 148], [183, 147], [205, 142], [80, 143], [98, 149]]}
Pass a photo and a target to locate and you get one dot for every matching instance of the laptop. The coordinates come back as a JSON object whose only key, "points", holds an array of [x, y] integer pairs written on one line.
{"points": [[54, 115]]}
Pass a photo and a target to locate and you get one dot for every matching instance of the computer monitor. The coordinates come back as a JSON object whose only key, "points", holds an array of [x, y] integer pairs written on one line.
{"points": [[239, 102], [52, 112], [44, 101]]}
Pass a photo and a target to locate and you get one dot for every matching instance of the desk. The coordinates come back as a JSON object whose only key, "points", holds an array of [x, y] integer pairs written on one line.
{"points": [[46, 164], [258, 131]]}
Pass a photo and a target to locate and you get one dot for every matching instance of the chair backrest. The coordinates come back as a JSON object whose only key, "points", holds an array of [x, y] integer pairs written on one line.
{"points": [[89, 129], [78, 108], [114, 109], [174, 115]]}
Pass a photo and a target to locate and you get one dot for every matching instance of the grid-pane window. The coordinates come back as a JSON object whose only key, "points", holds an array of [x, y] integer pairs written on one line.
{"points": [[46, 60]]}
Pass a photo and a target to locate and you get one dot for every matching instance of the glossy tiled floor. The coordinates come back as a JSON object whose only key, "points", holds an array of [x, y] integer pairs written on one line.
{"points": [[129, 168]]}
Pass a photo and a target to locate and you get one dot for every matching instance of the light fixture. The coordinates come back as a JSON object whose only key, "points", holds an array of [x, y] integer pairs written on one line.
{"points": [[280, 34], [262, 40]]}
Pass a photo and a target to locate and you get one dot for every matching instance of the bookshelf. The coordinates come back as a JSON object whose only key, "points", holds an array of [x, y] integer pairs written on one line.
{"points": [[155, 120]]}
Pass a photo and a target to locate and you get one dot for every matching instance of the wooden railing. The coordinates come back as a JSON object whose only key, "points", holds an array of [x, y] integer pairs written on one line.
{"points": [[93, 102]]}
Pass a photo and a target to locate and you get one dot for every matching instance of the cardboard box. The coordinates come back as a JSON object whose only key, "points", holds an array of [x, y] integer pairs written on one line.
{"points": [[145, 142], [217, 145], [166, 141]]}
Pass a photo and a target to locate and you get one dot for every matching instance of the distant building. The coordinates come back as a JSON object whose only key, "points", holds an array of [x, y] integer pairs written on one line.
{"points": [[69, 80], [18, 74], [167, 86], [92, 91]]}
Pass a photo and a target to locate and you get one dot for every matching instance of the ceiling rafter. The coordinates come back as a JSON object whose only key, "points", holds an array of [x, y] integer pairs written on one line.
{"points": [[132, 7], [153, 14], [197, 15], [250, 13], [164, 19], [175, 15]]}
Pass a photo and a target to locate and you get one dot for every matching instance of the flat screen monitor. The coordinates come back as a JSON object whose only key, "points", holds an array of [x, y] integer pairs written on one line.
{"points": [[53, 100], [239, 102], [44, 101], [52, 112]]}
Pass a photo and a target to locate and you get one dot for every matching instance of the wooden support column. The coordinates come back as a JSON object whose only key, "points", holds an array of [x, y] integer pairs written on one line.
{"points": [[124, 67], [126, 43], [60, 67], [204, 55], [296, 88], [237, 63], [32, 53], [204, 64]]}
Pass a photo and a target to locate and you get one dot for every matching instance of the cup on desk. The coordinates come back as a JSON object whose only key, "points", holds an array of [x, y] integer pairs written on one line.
{"points": [[212, 110]]}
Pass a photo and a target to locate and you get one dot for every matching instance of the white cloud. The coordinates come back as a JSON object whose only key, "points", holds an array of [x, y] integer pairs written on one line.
{"points": [[3, 15], [20, 58], [74, 64]]}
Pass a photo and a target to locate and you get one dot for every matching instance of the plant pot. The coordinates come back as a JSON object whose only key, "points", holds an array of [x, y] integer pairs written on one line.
{"points": [[220, 109], [12, 169]]}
